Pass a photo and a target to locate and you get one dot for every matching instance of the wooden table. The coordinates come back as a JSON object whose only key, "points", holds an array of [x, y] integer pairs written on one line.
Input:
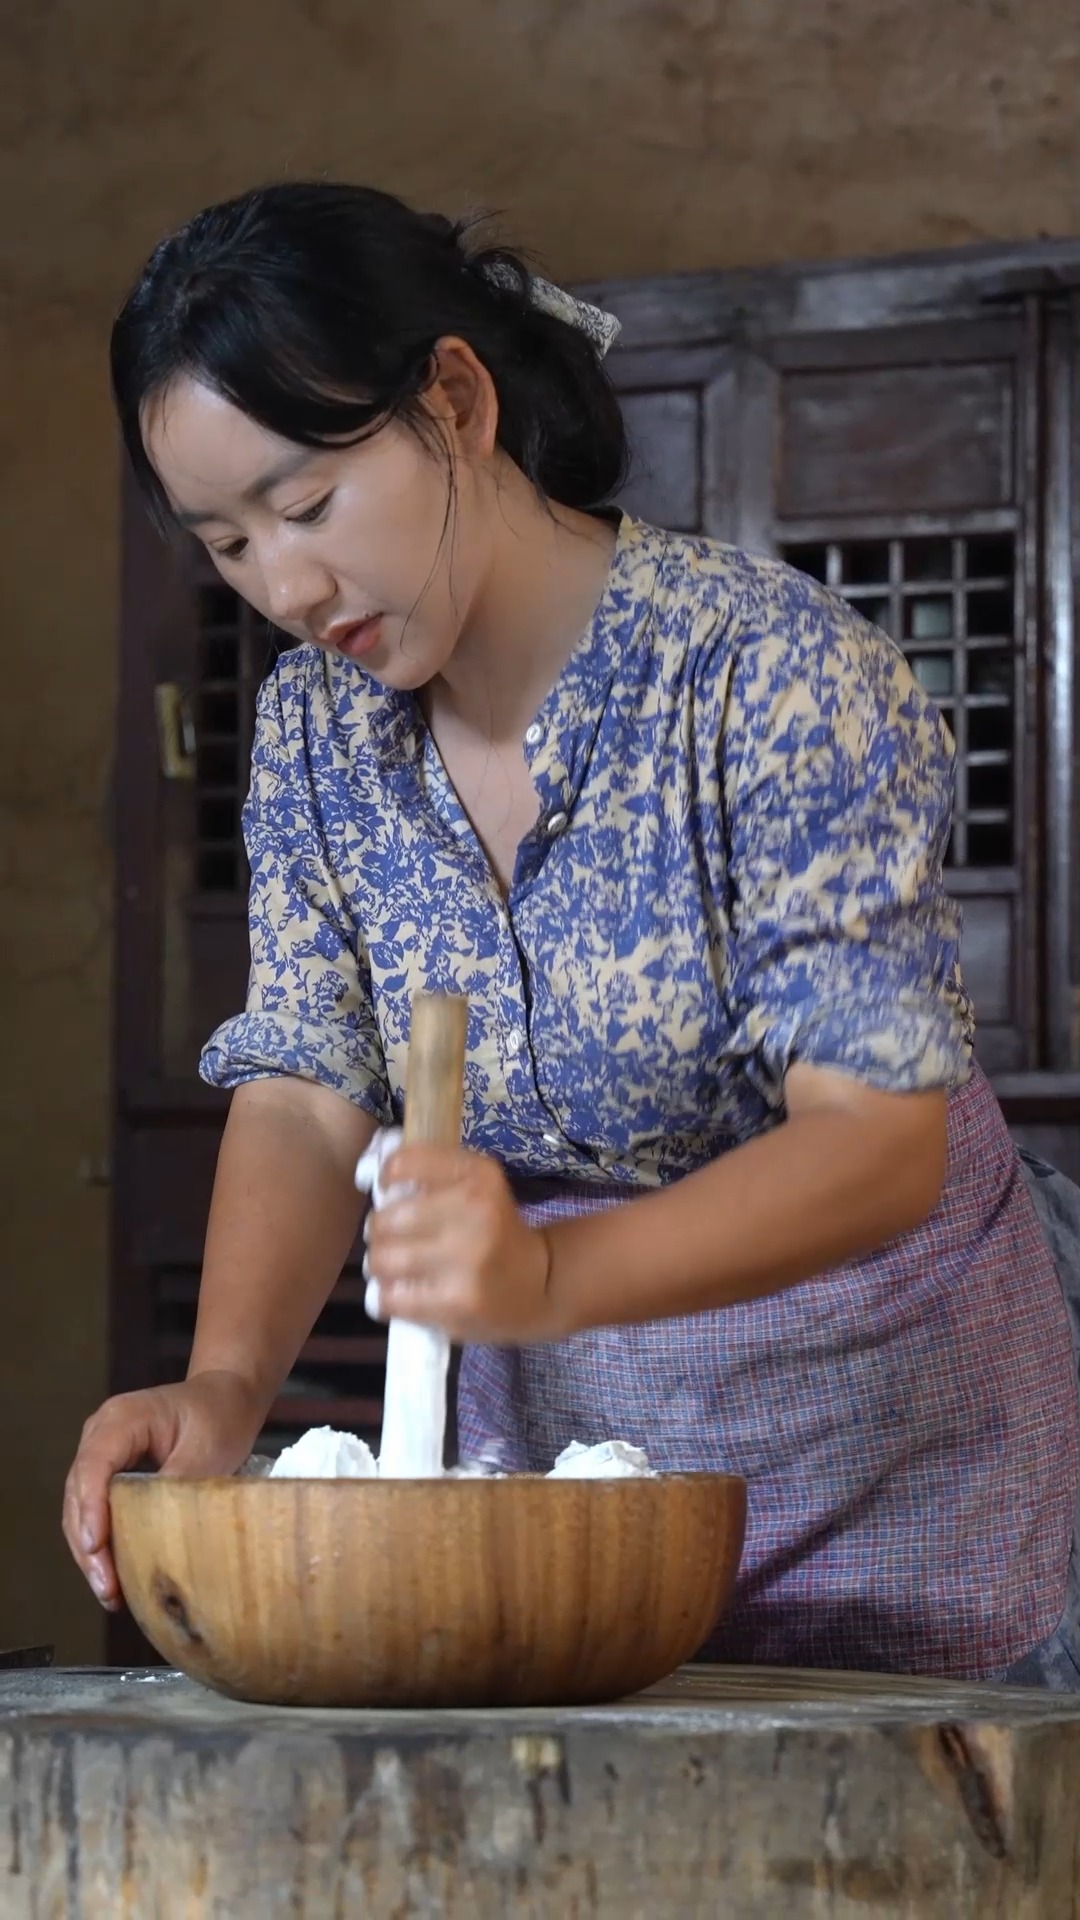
{"points": [[725, 1792]]}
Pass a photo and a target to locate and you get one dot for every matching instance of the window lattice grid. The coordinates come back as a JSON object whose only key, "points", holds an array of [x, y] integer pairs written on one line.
{"points": [[949, 602], [235, 650]]}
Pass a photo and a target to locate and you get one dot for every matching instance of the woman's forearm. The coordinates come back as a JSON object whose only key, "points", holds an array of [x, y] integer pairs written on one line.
{"points": [[283, 1218], [836, 1180]]}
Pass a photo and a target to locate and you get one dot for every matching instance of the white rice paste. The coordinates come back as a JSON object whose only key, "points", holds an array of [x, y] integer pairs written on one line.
{"points": [[322, 1454], [611, 1460], [417, 1358], [414, 1407]]}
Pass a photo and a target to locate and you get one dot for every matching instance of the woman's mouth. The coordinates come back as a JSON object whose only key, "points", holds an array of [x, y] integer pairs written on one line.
{"points": [[358, 637]]}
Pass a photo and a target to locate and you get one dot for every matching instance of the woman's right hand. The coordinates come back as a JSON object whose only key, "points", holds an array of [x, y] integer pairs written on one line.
{"points": [[204, 1426]]}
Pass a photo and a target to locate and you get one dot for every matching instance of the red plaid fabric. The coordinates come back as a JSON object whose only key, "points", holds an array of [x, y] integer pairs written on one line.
{"points": [[907, 1427]]}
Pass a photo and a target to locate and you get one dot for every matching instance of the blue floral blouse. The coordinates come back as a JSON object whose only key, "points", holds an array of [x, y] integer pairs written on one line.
{"points": [[743, 802]]}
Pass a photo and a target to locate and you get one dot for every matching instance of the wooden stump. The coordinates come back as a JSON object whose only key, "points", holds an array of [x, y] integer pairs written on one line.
{"points": [[726, 1792]]}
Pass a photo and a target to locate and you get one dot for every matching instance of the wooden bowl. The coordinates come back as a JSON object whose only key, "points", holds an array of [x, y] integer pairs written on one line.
{"points": [[428, 1593]]}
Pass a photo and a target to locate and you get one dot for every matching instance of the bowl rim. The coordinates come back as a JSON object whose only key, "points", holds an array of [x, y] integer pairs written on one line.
{"points": [[692, 1476]]}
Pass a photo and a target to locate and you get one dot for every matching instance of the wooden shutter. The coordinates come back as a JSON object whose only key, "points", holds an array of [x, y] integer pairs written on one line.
{"points": [[900, 464]]}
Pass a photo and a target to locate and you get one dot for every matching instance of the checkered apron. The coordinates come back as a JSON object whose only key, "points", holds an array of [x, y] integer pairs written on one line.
{"points": [[907, 1426]]}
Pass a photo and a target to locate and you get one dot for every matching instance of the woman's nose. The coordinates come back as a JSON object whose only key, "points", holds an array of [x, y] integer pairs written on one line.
{"points": [[295, 588]]}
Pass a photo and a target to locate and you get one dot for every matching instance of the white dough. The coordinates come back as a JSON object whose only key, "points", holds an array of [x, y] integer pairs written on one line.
{"points": [[322, 1454], [417, 1358], [414, 1405], [611, 1460]]}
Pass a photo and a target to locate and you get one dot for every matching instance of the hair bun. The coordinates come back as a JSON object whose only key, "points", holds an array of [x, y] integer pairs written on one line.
{"points": [[447, 232]]}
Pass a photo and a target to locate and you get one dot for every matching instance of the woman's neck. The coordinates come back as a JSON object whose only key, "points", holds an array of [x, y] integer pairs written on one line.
{"points": [[549, 567]]}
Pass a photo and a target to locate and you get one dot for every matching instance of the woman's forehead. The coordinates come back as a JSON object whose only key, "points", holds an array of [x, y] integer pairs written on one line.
{"points": [[200, 443]]}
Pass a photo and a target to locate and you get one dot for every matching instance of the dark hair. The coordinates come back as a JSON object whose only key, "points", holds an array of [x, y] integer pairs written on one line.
{"points": [[315, 309]]}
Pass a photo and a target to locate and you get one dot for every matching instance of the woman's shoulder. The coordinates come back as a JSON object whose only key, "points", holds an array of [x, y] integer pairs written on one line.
{"points": [[305, 676], [755, 615], [748, 595], [310, 694], [324, 728]]}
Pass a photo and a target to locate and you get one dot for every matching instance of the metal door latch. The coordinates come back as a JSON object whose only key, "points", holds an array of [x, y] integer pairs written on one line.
{"points": [[176, 731]]}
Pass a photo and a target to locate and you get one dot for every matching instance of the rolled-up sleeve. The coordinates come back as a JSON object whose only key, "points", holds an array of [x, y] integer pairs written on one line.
{"points": [[309, 1009], [838, 781]]}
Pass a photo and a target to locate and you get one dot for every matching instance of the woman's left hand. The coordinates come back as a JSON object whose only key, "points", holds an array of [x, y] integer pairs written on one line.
{"points": [[454, 1253]]}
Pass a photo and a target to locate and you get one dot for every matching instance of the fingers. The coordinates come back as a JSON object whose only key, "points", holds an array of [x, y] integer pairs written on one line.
{"points": [[412, 1264], [427, 1280], [431, 1168], [433, 1245], [82, 1525], [447, 1196], [104, 1580], [97, 1564], [416, 1221], [418, 1301], [393, 1259], [118, 1436], [417, 1243], [435, 1199]]}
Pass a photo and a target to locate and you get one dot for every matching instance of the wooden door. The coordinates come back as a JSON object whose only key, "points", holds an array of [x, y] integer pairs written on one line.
{"points": [[901, 432], [193, 658], [901, 468]]}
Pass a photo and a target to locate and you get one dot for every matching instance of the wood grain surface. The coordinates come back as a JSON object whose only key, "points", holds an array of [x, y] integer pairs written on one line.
{"points": [[733, 1793], [427, 1592]]}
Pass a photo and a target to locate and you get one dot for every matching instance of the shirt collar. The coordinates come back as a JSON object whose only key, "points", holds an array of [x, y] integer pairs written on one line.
{"points": [[559, 741]]}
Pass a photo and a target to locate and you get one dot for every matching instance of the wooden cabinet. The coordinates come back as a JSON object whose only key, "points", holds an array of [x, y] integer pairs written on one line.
{"points": [[904, 431], [192, 659], [898, 465]]}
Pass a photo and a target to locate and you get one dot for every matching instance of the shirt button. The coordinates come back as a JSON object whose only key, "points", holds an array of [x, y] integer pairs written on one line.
{"points": [[513, 1045], [552, 1140], [556, 823], [533, 735]]}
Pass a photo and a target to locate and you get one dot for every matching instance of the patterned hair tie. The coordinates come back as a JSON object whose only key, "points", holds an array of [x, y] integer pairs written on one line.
{"points": [[603, 329]]}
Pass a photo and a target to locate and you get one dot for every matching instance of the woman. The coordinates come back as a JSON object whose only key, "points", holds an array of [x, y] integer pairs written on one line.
{"points": [[674, 818]]}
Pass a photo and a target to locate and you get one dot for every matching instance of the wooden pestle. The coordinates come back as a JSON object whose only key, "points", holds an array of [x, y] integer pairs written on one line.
{"points": [[436, 1071], [418, 1358]]}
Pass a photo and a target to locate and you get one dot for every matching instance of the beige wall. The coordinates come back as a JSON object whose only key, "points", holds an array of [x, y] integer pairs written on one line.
{"points": [[619, 137]]}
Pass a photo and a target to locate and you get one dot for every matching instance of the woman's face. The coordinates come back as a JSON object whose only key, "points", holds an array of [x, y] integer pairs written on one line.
{"points": [[366, 550]]}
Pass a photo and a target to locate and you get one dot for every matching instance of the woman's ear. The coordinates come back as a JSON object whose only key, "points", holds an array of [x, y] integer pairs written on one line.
{"points": [[462, 395]]}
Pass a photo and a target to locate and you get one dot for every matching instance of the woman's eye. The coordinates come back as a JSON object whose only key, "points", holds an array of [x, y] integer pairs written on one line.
{"points": [[310, 514], [234, 550]]}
